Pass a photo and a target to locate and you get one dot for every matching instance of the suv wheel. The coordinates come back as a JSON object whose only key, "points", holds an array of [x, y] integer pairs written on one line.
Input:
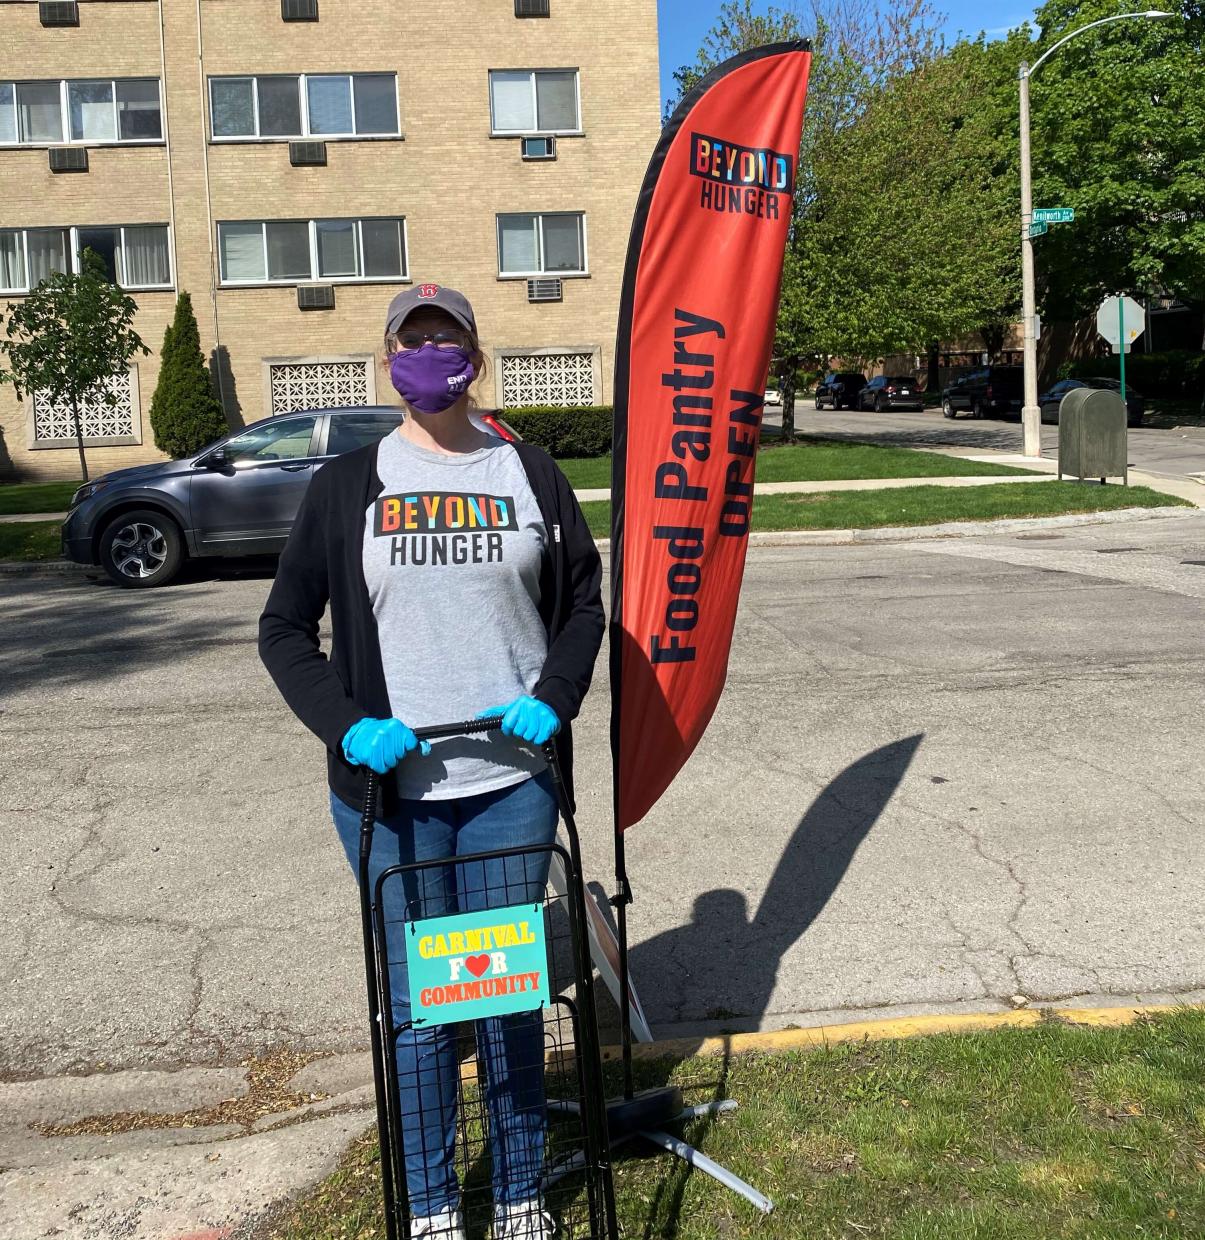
{"points": [[878, 404], [819, 402], [141, 549], [977, 410], [947, 410]]}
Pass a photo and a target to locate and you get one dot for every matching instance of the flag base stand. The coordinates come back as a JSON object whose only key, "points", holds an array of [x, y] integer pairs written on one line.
{"points": [[648, 1113], [641, 1109]]}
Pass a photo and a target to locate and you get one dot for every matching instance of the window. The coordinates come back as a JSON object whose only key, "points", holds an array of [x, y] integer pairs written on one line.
{"points": [[534, 101], [320, 105], [136, 256], [285, 251], [535, 245], [281, 441], [358, 430], [92, 111]]}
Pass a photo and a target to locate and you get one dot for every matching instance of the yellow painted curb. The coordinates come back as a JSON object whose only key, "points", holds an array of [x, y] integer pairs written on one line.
{"points": [[880, 1030]]}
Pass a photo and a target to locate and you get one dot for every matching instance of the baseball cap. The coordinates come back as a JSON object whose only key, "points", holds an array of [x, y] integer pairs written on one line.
{"points": [[421, 295]]}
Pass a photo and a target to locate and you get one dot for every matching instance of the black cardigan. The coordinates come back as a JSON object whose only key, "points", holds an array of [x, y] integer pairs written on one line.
{"points": [[322, 563]]}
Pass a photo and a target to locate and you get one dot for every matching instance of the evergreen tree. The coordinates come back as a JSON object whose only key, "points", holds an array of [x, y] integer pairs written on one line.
{"points": [[185, 414]]}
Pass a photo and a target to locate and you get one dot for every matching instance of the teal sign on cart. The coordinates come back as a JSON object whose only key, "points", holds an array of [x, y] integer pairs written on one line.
{"points": [[467, 966]]}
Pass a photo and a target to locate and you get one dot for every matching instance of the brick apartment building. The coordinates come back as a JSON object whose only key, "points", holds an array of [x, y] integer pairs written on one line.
{"points": [[293, 163]]}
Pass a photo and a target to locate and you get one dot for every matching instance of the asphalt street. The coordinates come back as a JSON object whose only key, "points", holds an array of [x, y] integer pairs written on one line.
{"points": [[1173, 452], [942, 773]]}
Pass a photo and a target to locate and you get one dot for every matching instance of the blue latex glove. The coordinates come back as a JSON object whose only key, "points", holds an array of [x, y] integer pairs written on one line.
{"points": [[380, 744], [528, 719]]}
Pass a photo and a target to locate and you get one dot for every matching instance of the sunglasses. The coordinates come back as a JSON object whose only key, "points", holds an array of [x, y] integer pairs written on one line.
{"points": [[445, 338]]}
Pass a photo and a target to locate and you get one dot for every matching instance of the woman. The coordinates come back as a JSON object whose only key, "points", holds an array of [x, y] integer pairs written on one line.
{"points": [[460, 574]]}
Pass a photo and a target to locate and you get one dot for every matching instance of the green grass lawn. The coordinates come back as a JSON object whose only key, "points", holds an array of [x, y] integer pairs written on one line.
{"points": [[36, 496], [1049, 1131], [29, 540], [922, 505], [821, 460]]}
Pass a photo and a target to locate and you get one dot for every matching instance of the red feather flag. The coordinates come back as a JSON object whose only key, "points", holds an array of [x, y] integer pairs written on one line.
{"points": [[696, 327]]}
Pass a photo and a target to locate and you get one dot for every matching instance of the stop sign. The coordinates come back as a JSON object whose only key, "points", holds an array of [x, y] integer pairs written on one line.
{"points": [[1109, 320]]}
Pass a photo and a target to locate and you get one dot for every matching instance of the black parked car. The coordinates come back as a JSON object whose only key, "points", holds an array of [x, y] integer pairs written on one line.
{"points": [[891, 392], [990, 392], [238, 496], [839, 389], [1049, 401]]}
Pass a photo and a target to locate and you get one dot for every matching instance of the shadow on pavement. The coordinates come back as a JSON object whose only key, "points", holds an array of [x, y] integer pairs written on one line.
{"points": [[945, 433], [68, 632], [700, 957]]}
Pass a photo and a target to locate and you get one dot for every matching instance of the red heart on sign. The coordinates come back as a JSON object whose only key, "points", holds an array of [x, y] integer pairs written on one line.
{"points": [[477, 965]]}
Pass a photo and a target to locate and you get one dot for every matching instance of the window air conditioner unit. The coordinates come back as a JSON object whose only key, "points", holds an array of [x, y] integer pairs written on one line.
{"points": [[315, 297], [299, 10], [68, 159], [305, 154], [539, 148], [531, 8], [58, 12], [543, 290]]}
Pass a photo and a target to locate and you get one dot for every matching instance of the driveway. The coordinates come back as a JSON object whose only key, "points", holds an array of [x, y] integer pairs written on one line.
{"points": [[1172, 452]]}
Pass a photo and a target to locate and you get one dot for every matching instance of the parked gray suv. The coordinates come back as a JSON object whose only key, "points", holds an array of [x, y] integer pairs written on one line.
{"points": [[238, 496]]}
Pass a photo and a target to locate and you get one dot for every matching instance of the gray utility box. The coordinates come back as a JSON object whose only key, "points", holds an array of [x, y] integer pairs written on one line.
{"points": [[1092, 435]]}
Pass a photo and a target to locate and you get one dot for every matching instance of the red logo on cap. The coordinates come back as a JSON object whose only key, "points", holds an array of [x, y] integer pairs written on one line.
{"points": [[428, 290]]}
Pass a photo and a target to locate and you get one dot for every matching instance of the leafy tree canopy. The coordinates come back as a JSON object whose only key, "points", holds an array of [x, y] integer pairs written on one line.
{"points": [[68, 336]]}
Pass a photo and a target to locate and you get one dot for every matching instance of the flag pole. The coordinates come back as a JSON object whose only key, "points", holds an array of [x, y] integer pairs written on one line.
{"points": [[620, 901]]}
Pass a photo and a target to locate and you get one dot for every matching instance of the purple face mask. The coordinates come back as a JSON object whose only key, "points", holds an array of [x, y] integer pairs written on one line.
{"points": [[431, 379]]}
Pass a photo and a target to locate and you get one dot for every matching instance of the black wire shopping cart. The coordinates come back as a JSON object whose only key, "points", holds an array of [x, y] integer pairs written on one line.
{"points": [[499, 1119]]}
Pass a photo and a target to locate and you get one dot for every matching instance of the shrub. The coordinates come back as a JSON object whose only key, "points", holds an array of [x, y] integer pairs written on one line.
{"points": [[1173, 373], [185, 414], [585, 431]]}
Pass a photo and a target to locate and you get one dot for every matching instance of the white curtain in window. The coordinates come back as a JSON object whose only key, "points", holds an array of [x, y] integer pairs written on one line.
{"points": [[330, 105], [242, 251], [337, 248], [510, 97], [517, 243], [39, 112], [146, 261], [556, 95], [12, 261], [91, 108], [47, 253], [8, 113]]}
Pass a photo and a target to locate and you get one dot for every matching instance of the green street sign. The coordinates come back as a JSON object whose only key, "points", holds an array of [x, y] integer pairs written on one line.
{"points": [[1054, 215], [1036, 230]]}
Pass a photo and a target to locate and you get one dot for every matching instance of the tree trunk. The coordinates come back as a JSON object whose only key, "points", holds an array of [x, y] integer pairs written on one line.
{"points": [[79, 438], [933, 372], [788, 406]]}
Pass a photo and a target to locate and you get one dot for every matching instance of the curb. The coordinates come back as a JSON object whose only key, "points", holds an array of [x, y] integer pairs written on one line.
{"points": [[950, 529], [27, 568], [892, 1027]]}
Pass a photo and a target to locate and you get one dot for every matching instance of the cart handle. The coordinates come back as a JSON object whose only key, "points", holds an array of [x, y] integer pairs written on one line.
{"points": [[466, 727]]}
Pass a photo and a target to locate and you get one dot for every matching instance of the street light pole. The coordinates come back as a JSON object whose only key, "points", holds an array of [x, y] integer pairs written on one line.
{"points": [[1031, 413]]}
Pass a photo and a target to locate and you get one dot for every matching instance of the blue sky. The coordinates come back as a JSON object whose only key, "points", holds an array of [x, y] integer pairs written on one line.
{"points": [[683, 23]]}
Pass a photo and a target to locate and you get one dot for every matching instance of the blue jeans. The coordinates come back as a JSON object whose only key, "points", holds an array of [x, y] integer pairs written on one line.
{"points": [[511, 1047]]}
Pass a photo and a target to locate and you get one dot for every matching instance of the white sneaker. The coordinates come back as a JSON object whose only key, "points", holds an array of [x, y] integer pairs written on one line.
{"points": [[523, 1220], [446, 1226]]}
